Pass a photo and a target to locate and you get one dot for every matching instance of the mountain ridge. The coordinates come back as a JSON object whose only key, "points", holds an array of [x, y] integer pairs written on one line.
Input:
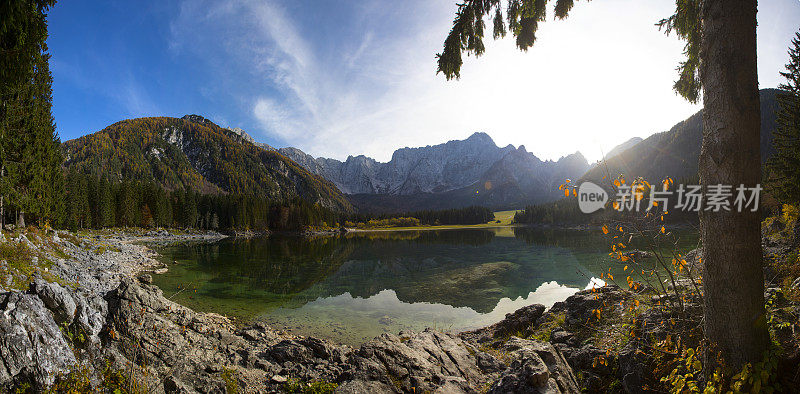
{"points": [[192, 152], [457, 173], [674, 153]]}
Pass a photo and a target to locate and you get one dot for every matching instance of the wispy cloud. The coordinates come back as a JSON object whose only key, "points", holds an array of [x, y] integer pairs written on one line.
{"points": [[361, 79]]}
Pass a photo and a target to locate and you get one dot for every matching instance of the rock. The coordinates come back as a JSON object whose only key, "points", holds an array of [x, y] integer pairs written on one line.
{"points": [[90, 316], [173, 385], [796, 283], [32, 347], [579, 308], [57, 299], [521, 322], [278, 379], [422, 362], [146, 279], [561, 336], [23, 239], [161, 271], [537, 368], [56, 238], [361, 386]]}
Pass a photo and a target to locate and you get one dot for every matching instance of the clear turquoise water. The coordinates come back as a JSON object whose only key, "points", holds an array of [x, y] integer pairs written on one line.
{"points": [[351, 288]]}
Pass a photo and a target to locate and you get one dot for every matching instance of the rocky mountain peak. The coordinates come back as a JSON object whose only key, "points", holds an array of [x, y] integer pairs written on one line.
{"points": [[481, 137], [197, 119]]}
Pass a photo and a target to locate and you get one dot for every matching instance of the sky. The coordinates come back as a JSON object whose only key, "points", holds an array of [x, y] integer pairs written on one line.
{"points": [[350, 77]]}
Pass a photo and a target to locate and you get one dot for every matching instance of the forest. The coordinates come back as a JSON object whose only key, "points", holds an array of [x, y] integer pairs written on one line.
{"points": [[96, 202]]}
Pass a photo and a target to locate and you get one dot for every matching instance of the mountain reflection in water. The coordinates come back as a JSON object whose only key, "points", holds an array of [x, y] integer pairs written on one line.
{"points": [[353, 287]]}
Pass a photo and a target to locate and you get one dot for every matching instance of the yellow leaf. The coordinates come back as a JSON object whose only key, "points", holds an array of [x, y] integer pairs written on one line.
{"points": [[625, 269], [663, 230], [566, 193], [605, 230]]}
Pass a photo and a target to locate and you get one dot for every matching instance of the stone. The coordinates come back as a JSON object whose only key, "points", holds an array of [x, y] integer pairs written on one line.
{"points": [[537, 368], [146, 279], [57, 299], [32, 347], [278, 379]]}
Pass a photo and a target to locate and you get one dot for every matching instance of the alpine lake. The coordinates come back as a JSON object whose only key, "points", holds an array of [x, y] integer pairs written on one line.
{"points": [[352, 287]]}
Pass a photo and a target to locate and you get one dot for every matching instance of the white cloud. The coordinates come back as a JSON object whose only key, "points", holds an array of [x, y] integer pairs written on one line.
{"points": [[595, 80]]}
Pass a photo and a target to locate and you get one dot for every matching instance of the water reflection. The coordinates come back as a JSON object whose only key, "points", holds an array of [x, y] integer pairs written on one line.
{"points": [[356, 286]]}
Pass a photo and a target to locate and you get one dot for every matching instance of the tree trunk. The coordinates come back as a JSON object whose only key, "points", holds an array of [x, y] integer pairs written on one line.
{"points": [[735, 324]]}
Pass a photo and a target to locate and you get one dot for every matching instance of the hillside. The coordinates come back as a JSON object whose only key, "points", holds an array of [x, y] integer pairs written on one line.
{"points": [[458, 173], [194, 153], [675, 153]]}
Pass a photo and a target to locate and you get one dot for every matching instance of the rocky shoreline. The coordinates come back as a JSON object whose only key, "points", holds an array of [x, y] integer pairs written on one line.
{"points": [[89, 312], [92, 308]]}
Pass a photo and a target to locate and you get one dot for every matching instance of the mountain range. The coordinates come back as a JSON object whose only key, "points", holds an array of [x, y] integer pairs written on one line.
{"points": [[474, 171], [193, 152]]}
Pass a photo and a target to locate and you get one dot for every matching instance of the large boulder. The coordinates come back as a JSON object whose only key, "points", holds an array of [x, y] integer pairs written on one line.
{"points": [[32, 347], [426, 362], [537, 368], [57, 299], [520, 322]]}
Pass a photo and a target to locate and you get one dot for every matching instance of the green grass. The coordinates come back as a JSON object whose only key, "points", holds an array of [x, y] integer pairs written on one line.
{"points": [[315, 387], [505, 218]]}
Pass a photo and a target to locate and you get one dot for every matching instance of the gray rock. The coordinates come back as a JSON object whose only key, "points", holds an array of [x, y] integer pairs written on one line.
{"points": [[32, 347], [146, 279], [362, 386], [57, 299], [537, 368], [278, 379], [520, 322]]}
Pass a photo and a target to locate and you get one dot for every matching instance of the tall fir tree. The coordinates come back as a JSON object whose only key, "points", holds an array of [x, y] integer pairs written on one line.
{"points": [[29, 147], [784, 166]]}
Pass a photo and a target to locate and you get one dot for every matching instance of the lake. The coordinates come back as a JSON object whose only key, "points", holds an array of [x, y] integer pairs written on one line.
{"points": [[353, 287]]}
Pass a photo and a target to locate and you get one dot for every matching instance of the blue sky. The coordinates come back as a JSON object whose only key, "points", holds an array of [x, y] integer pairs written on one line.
{"points": [[336, 78]]}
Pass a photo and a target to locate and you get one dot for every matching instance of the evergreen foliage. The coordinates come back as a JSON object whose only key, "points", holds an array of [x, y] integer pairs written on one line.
{"points": [[96, 202], [522, 19], [784, 167], [30, 157]]}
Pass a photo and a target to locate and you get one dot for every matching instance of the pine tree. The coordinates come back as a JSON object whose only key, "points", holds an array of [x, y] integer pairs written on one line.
{"points": [[784, 166], [27, 154]]}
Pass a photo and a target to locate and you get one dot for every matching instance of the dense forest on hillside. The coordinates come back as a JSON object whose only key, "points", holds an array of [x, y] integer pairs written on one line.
{"points": [[96, 202], [193, 153], [566, 211]]}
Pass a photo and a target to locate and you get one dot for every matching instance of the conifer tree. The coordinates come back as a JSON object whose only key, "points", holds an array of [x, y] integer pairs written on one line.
{"points": [[29, 148], [721, 60], [784, 166]]}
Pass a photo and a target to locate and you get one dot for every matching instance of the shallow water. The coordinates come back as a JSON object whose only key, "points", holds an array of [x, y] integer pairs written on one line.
{"points": [[354, 287]]}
